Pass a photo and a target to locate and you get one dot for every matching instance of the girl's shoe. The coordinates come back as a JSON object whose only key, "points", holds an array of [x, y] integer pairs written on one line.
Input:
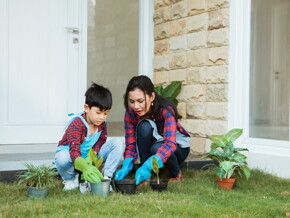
{"points": [[178, 178]]}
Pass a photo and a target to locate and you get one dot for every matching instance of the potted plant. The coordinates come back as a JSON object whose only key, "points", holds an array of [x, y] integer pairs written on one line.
{"points": [[230, 160], [170, 92], [100, 188], [157, 185], [37, 179]]}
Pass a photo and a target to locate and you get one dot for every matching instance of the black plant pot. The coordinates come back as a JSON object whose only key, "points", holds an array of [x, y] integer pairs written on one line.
{"points": [[161, 187], [125, 186]]}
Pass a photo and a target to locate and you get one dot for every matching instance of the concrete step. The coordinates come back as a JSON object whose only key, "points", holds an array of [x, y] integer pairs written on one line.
{"points": [[12, 158]]}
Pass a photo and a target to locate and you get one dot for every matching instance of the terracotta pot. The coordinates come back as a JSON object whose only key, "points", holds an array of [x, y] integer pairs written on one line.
{"points": [[225, 183]]}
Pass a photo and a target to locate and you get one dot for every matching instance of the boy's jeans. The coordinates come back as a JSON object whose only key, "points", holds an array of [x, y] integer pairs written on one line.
{"points": [[112, 153]]}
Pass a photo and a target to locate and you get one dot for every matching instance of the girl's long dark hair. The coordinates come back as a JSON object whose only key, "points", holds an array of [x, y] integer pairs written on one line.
{"points": [[145, 84]]}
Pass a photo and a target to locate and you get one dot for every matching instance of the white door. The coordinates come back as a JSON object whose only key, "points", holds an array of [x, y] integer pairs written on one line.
{"points": [[39, 69]]}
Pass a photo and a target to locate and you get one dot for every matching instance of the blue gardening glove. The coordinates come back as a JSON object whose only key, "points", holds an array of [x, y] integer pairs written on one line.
{"points": [[144, 172], [126, 168]]}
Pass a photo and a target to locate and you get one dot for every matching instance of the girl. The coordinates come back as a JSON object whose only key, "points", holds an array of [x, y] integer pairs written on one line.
{"points": [[152, 129]]}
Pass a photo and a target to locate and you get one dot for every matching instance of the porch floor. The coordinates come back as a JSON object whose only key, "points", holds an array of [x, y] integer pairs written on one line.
{"points": [[12, 158]]}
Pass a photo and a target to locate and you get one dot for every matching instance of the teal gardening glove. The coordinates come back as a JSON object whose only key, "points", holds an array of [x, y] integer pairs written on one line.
{"points": [[144, 172], [90, 172], [126, 168]]}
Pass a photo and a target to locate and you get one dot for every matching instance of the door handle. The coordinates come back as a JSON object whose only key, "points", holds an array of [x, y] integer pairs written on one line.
{"points": [[72, 30]]}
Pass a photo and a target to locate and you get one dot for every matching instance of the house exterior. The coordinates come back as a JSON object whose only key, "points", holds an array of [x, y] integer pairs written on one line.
{"points": [[232, 56]]}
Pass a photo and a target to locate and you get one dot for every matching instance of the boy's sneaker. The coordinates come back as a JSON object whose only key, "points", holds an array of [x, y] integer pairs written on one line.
{"points": [[85, 187], [71, 184]]}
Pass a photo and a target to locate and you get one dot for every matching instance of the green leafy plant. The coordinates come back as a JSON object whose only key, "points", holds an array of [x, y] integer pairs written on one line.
{"points": [[37, 176], [155, 168], [93, 160], [229, 158], [170, 92], [92, 157]]}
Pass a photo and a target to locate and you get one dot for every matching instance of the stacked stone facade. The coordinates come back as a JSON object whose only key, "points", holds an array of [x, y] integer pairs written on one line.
{"points": [[191, 40]]}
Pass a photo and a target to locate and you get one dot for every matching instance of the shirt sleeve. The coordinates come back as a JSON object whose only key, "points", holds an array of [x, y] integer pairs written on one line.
{"points": [[102, 139], [130, 139], [75, 138], [169, 135]]}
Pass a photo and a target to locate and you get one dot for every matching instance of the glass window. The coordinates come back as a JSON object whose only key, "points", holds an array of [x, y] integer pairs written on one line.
{"points": [[270, 68]]}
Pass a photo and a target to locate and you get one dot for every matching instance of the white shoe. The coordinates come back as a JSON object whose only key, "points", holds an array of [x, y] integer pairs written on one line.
{"points": [[85, 187], [71, 184]]}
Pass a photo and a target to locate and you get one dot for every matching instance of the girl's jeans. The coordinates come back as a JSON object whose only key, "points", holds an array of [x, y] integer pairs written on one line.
{"points": [[112, 153], [148, 146]]}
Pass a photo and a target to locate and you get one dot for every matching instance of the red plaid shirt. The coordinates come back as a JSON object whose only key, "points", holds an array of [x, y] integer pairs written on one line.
{"points": [[169, 134], [76, 134]]}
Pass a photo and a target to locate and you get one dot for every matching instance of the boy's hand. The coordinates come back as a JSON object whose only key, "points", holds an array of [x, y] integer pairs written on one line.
{"points": [[90, 173]]}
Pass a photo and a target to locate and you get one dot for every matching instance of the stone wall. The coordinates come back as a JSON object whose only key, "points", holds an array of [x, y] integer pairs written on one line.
{"points": [[191, 45]]}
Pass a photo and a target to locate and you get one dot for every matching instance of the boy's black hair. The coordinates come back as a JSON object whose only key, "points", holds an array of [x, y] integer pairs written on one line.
{"points": [[98, 96]]}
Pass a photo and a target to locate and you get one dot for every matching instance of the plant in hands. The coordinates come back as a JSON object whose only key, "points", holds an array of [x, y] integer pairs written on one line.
{"points": [[89, 167], [155, 168], [228, 157], [37, 176], [144, 172]]}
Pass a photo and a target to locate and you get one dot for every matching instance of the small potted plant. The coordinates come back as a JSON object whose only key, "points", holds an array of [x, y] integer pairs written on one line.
{"points": [[230, 160], [37, 179], [159, 184], [100, 188]]}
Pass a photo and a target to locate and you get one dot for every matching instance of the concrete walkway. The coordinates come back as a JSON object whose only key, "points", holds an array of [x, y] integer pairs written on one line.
{"points": [[12, 158]]}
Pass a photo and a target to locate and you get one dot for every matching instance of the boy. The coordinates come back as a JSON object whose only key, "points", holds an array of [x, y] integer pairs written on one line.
{"points": [[88, 130]]}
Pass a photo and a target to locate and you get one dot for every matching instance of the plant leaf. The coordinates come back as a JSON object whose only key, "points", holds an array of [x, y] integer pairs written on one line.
{"points": [[233, 134], [241, 149], [92, 157], [219, 140], [99, 162], [155, 167], [172, 90], [158, 89], [220, 172], [226, 165], [239, 158], [246, 171]]}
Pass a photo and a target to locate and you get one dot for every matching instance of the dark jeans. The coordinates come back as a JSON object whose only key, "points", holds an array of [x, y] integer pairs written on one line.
{"points": [[148, 146]]}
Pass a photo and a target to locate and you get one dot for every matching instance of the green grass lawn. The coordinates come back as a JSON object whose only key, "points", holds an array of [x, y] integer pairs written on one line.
{"points": [[263, 195]]}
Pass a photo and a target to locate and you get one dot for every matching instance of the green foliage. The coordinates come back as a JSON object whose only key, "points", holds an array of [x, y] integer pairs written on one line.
{"points": [[37, 176], [155, 167], [170, 92], [93, 159], [229, 159]]}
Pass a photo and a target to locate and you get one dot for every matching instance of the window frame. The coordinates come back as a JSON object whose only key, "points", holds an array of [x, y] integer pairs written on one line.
{"points": [[239, 75]]}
